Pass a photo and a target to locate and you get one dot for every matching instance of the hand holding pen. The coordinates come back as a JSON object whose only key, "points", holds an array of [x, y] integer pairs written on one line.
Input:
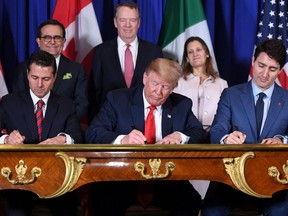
{"points": [[236, 137], [14, 138], [134, 137]]}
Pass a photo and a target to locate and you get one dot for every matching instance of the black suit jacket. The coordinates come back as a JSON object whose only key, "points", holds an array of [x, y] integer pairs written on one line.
{"points": [[107, 74], [71, 81], [124, 110], [17, 113]]}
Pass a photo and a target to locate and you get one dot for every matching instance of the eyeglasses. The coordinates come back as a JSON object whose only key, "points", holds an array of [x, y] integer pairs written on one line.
{"points": [[56, 38]]}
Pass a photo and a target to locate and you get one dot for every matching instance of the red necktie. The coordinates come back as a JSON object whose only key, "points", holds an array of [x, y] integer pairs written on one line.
{"points": [[128, 64], [150, 128], [39, 118], [145, 190]]}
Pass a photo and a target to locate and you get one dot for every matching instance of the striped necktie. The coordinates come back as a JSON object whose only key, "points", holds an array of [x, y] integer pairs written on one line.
{"points": [[39, 118]]}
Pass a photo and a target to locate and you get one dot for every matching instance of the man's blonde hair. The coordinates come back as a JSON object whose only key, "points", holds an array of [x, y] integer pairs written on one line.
{"points": [[168, 70]]}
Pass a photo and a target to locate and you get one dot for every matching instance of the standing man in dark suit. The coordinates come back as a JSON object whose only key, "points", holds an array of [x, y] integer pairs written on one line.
{"points": [[59, 125], [108, 64], [236, 122], [71, 80], [123, 120]]}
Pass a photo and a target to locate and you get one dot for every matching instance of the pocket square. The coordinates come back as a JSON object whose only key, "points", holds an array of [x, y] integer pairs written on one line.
{"points": [[67, 76]]}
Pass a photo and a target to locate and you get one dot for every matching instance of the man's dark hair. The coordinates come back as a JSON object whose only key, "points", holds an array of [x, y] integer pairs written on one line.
{"points": [[51, 22], [131, 5], [274, 49], [43, 59]]}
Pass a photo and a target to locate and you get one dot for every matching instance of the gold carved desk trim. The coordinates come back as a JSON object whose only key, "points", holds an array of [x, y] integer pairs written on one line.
{"points": [[52, 170]]}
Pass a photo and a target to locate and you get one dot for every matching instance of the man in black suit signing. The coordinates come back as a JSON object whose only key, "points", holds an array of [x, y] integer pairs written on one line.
{"points": [[151, 114], [108, 64], [71, 80], [54, 122]]}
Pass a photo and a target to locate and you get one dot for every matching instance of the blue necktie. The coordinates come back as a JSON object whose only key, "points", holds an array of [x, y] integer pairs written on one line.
{"points": [[259, 109]]}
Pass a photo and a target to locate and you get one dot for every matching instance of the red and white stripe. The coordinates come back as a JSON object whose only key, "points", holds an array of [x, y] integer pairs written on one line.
{"points": [[82, 30]]}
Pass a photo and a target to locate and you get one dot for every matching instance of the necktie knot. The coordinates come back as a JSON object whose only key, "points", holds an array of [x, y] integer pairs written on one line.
{"points": [[40, 104], [261, 95], [152, 108]]}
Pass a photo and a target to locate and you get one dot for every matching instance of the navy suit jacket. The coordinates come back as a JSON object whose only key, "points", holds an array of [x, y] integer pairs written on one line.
{"points": [[124, 110], [17, 113], [236, 111], [107, 73], [71, 81]]}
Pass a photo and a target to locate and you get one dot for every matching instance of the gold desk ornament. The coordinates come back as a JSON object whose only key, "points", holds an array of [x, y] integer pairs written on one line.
{"points": [[273, 172], [74, 168], [21, 170], [154, 165], [235, 168]]}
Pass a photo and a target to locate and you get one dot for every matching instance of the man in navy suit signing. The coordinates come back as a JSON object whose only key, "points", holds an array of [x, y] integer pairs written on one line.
{"points": [[60, 125], [122, 120], [237, 122]]}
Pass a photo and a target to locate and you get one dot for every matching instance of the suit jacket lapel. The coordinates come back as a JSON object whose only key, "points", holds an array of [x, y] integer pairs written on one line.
{"points": [[249, 106], [167, 118], [51, 111], [137, 109], [61, 70], [29, 115], [117, 65], [275, 108]]}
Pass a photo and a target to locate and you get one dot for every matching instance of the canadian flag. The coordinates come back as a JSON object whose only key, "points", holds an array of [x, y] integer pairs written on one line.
{"points": [[82, 30], [3, 87]]}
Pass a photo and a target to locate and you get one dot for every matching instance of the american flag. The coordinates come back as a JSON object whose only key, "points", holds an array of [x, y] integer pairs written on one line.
{"points": [[273, 23]]}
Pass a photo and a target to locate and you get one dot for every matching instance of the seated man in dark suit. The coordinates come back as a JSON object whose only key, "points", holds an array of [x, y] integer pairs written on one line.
{"points": [[38, 115], [71, 80], [153, 114], [239, 119]]}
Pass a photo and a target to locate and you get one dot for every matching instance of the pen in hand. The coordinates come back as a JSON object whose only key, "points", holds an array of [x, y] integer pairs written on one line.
{"points": [[135, 128], [236, 128]]}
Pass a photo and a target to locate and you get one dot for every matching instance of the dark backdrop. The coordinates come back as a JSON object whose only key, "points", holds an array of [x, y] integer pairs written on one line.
{"points": [[232, 25]]}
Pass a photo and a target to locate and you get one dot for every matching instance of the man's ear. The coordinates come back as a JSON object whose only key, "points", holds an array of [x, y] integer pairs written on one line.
{"points": [[38, 41], [252, 63]]}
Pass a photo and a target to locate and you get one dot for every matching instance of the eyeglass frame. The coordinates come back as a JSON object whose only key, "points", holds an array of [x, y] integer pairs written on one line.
{"points": [[56, 38]]}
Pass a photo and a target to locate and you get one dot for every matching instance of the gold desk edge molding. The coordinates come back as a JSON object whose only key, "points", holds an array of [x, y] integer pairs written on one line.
{"points": [[74, 168], [235, 167], [154, 165], [275, 173], [21, 170], [141, 147]]}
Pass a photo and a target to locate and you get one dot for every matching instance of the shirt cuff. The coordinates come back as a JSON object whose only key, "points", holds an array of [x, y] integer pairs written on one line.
{"points": [[117, 141], [184, 138], [223, 138], [2, 138], [69, 139], [283, 138]]}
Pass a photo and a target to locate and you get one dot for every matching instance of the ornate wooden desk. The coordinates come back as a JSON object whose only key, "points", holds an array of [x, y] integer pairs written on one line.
{"points": [[52, 170]]}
